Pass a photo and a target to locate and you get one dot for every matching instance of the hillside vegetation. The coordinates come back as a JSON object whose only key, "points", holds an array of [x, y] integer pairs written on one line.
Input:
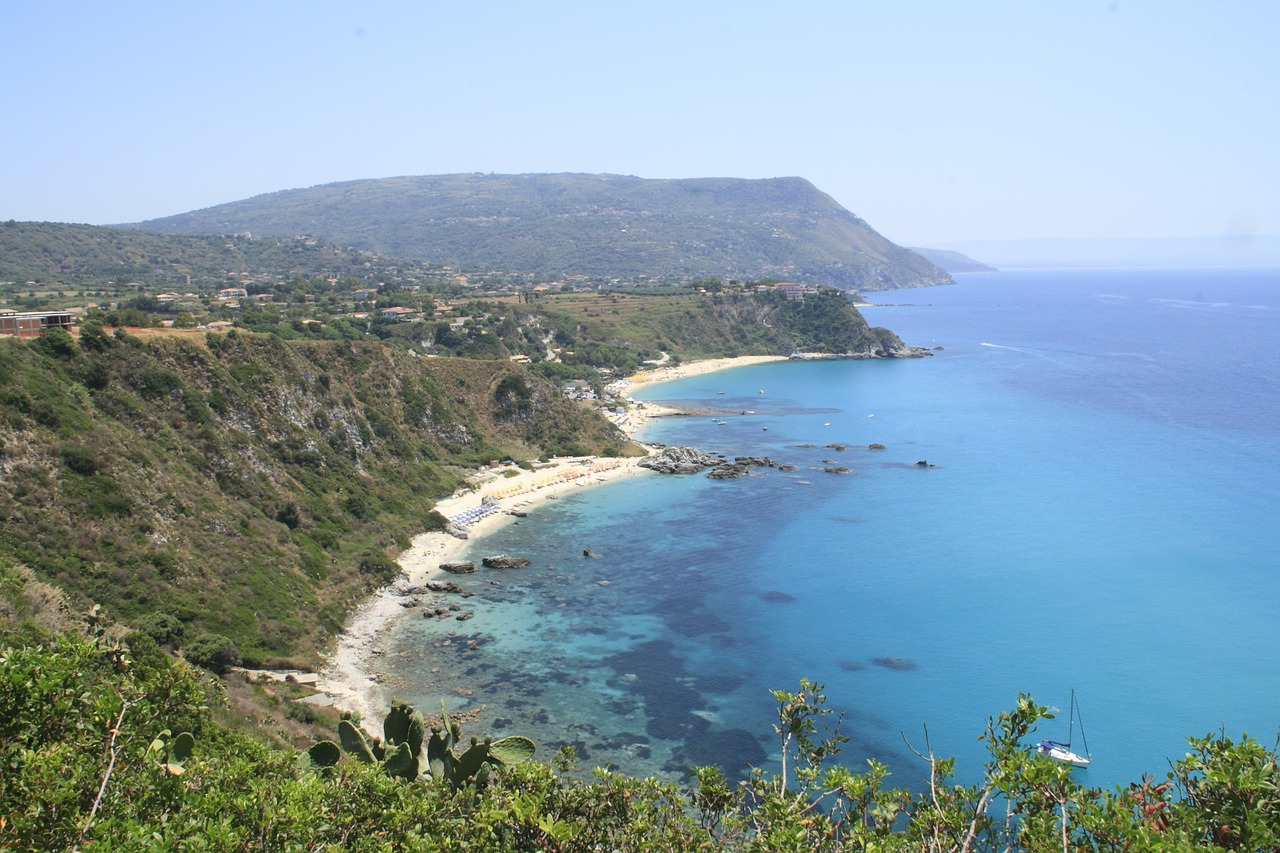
{"points": [[247, 487], [594, 225], [91, 255], [716, 325], [106, 743]]}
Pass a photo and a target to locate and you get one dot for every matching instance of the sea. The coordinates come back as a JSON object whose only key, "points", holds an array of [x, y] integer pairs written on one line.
{"points": [[1079, 490]]}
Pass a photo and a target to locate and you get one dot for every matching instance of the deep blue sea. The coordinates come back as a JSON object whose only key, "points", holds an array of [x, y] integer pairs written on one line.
{"points": [[1099, 510]]}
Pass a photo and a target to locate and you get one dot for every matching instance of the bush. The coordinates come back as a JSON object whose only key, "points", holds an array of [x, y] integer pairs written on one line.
{"points": [[56, 342], [156, 382], [80, 459], [301, 713], [288, 516], [162, 627], [94, 338], [214, 652], [378, 565]]}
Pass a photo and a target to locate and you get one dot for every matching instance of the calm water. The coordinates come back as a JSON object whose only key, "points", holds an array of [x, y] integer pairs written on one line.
{"points": [[1098, 512]]}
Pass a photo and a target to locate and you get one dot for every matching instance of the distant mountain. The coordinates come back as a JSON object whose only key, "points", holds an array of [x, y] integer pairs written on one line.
{"points": [[1233, 251], [952, 262], [595, 225]]}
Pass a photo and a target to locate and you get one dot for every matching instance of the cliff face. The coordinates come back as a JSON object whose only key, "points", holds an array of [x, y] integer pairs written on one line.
{"points": [[250, 487], [596, 225]]}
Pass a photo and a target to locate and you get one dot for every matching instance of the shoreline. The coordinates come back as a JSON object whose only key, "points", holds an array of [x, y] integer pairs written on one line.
{"points": [[349, 674]]}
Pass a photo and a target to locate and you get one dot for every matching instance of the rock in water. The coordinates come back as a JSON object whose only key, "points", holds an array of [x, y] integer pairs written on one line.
{"points": [[505, 561], [460, 567], [679, 460], [740, 466]]}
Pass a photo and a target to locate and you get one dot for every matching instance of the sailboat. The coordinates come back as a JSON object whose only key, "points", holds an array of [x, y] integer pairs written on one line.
{"points": [[1062, 751]]}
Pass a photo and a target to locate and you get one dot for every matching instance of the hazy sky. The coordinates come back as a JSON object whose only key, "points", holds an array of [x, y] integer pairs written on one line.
{"points": [[934, 121]]}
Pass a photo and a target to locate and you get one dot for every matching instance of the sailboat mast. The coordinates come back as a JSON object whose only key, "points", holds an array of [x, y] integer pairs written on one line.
{"points": [[1071, 718]]}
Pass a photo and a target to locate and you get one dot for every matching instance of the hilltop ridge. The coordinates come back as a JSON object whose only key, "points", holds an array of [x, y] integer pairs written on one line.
{"points": [[598, 225]]}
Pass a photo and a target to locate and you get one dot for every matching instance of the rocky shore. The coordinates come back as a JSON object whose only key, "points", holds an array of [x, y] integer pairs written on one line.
{"points": [[690, 460]]}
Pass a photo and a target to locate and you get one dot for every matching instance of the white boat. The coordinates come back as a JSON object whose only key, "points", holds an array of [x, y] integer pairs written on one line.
{"points": [[1062, 752]]}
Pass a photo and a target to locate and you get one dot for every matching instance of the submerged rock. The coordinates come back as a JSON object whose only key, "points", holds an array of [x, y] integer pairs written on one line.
{"points": [[895, 663]]}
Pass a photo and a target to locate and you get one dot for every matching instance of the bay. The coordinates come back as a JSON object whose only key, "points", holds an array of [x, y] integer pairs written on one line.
{"points": [[1095, 511]]}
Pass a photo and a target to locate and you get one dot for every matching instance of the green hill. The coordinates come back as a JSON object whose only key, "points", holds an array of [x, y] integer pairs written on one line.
{"points": [[41, 252], [595, 225], [244, 485]]}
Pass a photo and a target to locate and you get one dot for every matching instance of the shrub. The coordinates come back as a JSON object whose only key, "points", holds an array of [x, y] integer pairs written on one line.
{"points": [[302, 713], [80, 459], [155, 382], [94, 338], [162, 627], [288, 516], [378, 565], [214, 652], [56, 342]]}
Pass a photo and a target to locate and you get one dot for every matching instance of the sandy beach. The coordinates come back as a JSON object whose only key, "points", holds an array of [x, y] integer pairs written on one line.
{"points": [[350, 675]]}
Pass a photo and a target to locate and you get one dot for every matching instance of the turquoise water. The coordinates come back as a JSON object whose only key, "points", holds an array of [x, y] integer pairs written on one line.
{"points": [[1097, 512]]}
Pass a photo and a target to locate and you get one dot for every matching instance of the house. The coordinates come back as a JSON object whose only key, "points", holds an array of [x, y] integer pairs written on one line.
{"points": [[520, 358], [29, 324], [795, 291], [233, 293], [397, 313], [366, 293], [579, 389]]}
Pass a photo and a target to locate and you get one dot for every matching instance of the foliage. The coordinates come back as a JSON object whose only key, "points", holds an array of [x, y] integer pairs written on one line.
{"points": [[106, 747], [214, 652], [162, 627], [399, 754]]}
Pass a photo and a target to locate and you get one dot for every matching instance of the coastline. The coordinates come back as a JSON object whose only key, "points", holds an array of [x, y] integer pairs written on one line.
{"points": [[350, 675]]}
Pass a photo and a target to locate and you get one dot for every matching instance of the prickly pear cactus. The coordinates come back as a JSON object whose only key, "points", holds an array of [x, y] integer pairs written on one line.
{"points": [[401, 753]]}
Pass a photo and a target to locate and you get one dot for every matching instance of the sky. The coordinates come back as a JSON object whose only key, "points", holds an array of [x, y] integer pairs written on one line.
{"points": [[936, 122]]}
